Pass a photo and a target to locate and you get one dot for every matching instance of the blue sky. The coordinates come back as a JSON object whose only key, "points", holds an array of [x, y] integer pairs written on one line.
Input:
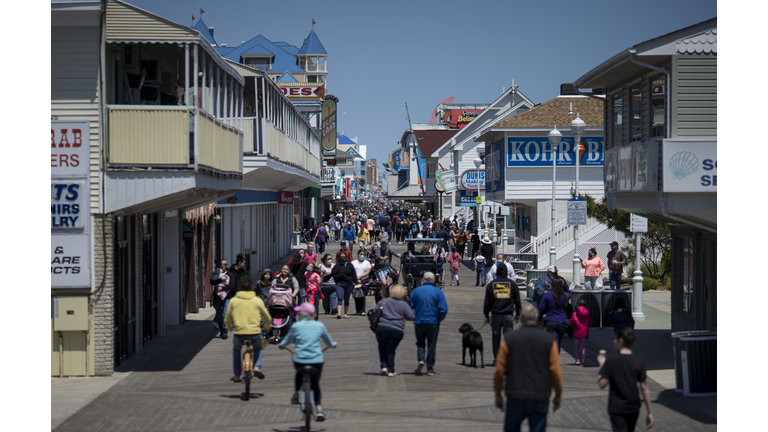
{"points": [[382, 54]]}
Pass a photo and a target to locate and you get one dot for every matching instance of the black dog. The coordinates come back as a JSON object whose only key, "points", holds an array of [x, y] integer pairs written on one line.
{"points": [[474, 341]]}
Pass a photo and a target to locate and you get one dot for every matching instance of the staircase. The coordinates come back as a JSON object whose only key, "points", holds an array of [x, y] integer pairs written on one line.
{"points": [[593, 234]]}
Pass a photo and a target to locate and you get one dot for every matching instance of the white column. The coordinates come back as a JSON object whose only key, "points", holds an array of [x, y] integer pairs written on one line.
{"points": [[186, 75], [637, 284], [576, 259], [195, 78], [231, 111], [210, 87], [224, 112], [242, 105], [218, 92], [203, 95]]}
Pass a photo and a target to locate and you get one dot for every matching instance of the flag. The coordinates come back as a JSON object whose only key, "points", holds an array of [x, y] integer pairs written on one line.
{"points": [[201, 12], [313, 22]]}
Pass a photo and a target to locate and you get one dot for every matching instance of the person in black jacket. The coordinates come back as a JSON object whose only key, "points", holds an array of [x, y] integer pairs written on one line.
{"points": [[345, 277], [531, 371], [298, 267], [235, 273], [486, 249], [502, 299]]}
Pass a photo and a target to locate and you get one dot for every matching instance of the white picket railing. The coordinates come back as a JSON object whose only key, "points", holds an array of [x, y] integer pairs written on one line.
{"points": [[563, 235]]}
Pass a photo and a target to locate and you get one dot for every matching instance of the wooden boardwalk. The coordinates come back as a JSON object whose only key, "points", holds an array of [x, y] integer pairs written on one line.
{"points": [[181, 383]]}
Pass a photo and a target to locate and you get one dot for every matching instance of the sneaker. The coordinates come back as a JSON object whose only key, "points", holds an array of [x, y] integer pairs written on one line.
{"points": [[383, 371], [577, 362], [431, 373], [295, 400], [320, 415], [392, 374], [419, 368], [223, 335]]}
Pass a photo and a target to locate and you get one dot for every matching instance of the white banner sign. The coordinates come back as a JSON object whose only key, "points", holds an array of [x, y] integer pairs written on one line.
{"points": [[69, 261], [69, 148], [638, 224], [69, 204], [690, 165]]}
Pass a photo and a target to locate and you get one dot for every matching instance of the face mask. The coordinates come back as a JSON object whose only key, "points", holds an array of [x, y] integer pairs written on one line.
{"points": [[302, 255], [499, 262], [362, 257], [590, 254]]}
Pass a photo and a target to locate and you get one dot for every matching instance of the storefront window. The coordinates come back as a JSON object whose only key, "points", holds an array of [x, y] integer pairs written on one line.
{"points": [[617, 119], [658, 106], [636, 113], [685, 268]]}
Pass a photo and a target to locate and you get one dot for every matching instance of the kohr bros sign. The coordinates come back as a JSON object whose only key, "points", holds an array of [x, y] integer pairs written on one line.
{"points": [[537, 152]]}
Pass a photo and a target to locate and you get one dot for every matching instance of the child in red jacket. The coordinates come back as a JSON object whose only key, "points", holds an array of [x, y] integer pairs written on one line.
{"points": [[581, 322]]}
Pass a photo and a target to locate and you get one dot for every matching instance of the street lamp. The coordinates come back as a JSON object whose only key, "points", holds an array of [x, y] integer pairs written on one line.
{"points": [[577, 127], [480, 230], [554, 141]]}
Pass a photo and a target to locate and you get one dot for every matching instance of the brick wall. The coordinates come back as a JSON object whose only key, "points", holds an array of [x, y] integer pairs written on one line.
{"points": [[103, 295]]}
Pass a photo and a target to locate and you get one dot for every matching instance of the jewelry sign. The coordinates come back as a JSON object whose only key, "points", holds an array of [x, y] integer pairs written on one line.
{"points": [[329, 128]]}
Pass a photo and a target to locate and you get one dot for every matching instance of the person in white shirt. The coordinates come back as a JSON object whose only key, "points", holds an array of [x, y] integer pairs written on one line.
{"points": [[492, 271], [363, 270]]}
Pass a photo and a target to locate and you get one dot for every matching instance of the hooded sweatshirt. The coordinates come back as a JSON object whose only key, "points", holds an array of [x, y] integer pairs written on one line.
{"points": [[244, 314], [260, 289], [581, 322]]}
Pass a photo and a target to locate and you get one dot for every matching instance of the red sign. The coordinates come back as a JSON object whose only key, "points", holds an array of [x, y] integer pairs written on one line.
{"points": [[285, 197], [347, 188], [303, 91], [658, 89], [460, 118]]}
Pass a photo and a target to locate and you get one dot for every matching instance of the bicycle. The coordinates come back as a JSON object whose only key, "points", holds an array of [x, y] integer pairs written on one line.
{"points": [[306, 389], [248, 371]]}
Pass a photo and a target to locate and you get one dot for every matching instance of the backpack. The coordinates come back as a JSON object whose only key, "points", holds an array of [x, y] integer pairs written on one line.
{"points": [[414, 228], [374, 315]]}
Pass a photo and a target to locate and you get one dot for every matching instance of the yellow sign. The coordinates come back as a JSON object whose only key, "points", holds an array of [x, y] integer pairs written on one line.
{"points": [[479, 199]]}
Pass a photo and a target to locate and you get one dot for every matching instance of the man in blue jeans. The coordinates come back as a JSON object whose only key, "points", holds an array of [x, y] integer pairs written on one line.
{"points": [[616, 261], [502, 301], [429, 303]]}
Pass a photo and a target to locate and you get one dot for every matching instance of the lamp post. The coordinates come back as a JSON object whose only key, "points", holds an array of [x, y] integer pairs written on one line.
{"points": [[554, 141], [480, 230], [577, 127]]}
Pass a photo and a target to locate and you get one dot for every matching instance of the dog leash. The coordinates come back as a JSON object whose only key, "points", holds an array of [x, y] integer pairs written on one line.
{"points": [[482, 327]]}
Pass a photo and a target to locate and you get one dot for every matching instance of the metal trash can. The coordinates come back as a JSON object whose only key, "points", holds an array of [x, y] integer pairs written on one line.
{"points": [[593, 299], [529, 276], [607, 301], [695, 355], [296, 239]]}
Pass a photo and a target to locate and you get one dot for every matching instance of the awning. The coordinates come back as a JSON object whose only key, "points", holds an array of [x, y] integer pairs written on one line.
{"points": [[315, 191]]}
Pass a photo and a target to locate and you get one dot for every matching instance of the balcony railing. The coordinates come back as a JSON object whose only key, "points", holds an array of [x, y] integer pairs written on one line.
{"points": [[314, 68], [164, 137], [263, 138]]}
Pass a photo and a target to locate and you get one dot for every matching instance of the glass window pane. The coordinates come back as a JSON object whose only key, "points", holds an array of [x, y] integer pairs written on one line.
{"points": [[658, 106], [617, 119], [637, 112]]}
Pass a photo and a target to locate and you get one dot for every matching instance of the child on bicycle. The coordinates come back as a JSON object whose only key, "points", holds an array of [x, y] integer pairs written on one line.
{"points": [[307, 334]]}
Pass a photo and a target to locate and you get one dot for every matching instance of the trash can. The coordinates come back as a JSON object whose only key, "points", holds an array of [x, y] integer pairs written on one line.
{"points": [[296, 239], [607, 301], [695, 355], [593, 299], [530, 275]]}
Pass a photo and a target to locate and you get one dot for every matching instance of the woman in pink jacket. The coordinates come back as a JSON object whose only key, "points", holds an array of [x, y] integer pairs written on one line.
{"points": [[593, 267], [454, 259], [581, 322]]}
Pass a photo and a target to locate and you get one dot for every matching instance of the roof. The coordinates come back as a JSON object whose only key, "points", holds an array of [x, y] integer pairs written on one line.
{"points": [[431, 139], [290, 49], [698, 38], [555, 112], [343, 139], [258, 50], [283, 61], [312, 45], [286, 77], [203, 29]]}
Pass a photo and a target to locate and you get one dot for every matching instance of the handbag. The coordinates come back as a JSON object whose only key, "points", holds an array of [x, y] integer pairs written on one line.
{"points": [[357, 293], [374, 315]]}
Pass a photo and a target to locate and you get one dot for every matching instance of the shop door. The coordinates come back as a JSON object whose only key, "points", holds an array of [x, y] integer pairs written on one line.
{"points": [[125, 291], [149, 276]]}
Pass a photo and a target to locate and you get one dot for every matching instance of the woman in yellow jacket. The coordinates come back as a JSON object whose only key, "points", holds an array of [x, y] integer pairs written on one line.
{"points": [[363, 236], [243, 318]]}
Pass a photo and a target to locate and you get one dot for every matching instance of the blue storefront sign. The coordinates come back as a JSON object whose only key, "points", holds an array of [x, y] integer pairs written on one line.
{"points": [[467, 198], [537, 152]]}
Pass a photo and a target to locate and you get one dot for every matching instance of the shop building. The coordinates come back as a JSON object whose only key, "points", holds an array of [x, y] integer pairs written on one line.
{"points": [[145, 138], [462, 148], [661, 154], [519, 174]]}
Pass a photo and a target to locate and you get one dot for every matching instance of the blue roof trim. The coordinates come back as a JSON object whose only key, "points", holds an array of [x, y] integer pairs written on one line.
{"points": [[287, 77], [290, 49], [343, 139], [203, 29], [312, 45]]}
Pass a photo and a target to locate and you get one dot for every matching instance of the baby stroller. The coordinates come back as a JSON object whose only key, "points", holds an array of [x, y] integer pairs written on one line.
{"points": [[280, 307]]}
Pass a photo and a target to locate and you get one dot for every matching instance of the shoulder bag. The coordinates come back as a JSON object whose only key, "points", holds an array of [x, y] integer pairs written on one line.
{"points": [[374, 315]]}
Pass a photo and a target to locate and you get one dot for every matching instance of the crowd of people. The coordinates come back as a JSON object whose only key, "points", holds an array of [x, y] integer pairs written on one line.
{"points": [[311, 279]]}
